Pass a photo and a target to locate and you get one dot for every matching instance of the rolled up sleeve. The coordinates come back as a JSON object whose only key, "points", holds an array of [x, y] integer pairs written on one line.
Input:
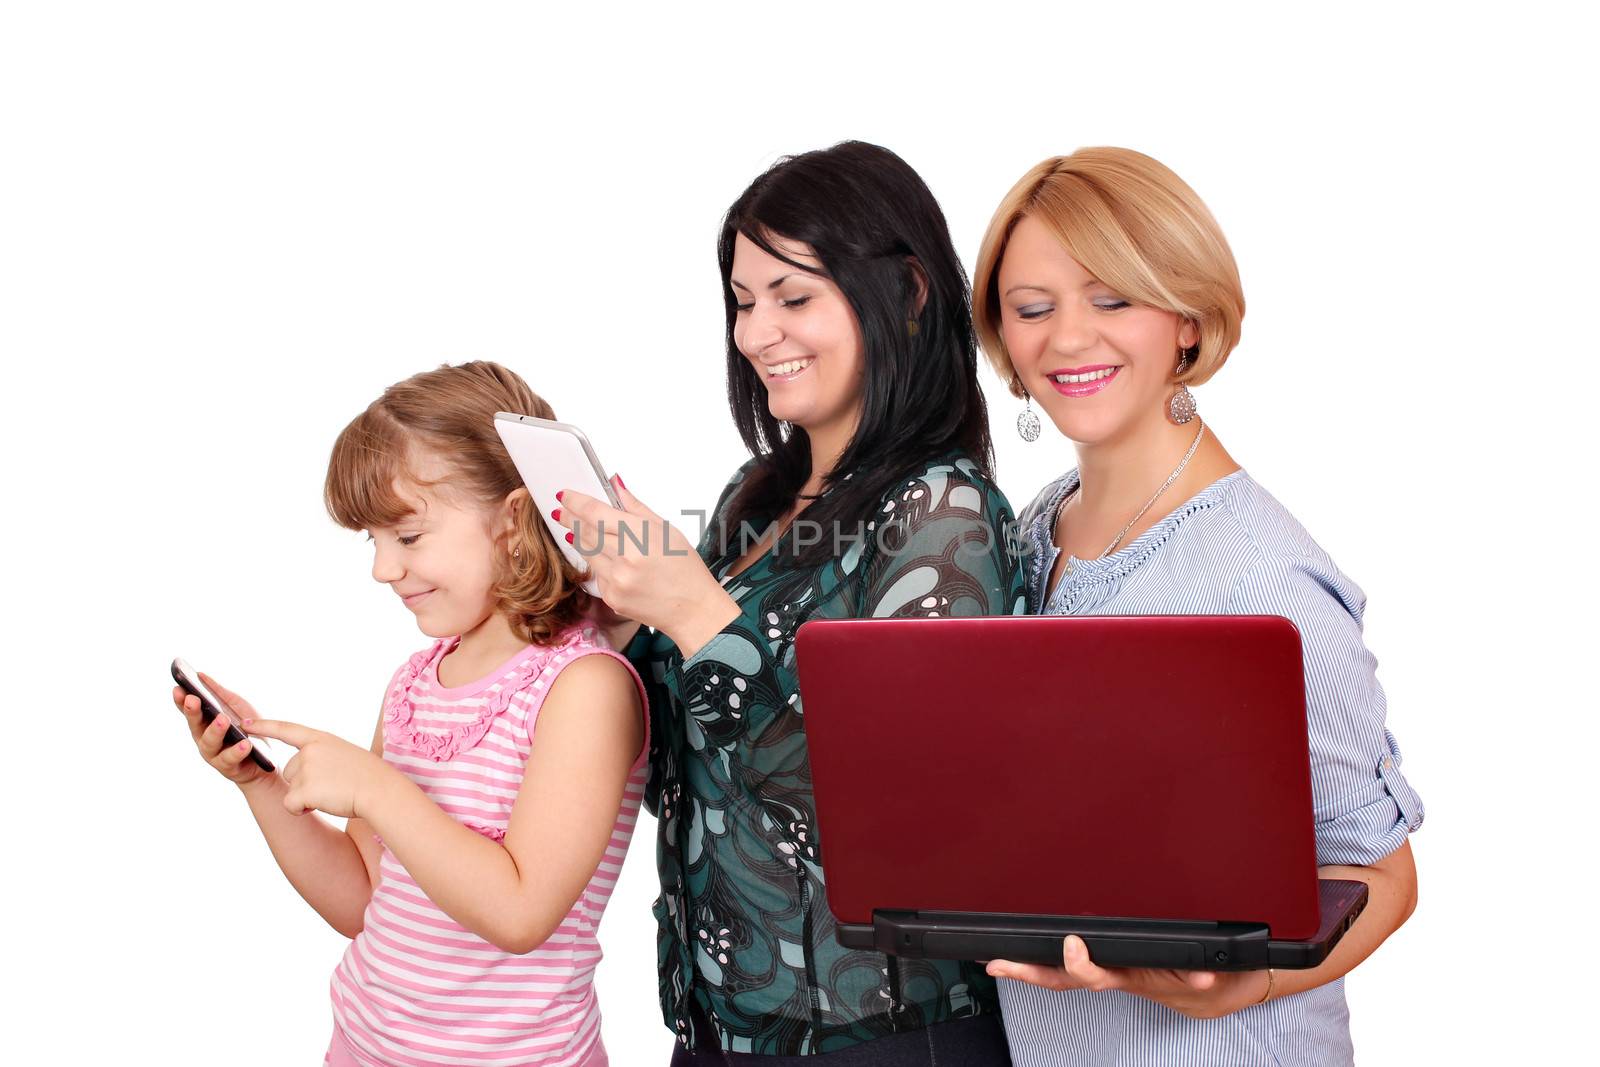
{"points": [[1363, 805]]}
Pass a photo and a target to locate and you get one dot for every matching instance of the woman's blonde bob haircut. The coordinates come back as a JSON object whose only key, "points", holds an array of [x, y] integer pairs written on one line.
{"points": [[1137, 227]]}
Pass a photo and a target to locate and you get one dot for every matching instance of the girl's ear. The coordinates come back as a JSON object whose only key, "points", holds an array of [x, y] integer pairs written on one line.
{"points": [[510, 508]]}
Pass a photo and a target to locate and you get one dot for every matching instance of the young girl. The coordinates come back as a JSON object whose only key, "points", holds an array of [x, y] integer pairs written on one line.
{"points": [[487, 824]]}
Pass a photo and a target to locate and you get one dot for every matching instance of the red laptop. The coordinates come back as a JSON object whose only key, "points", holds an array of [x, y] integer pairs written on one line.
{"points": [[985, 786]]}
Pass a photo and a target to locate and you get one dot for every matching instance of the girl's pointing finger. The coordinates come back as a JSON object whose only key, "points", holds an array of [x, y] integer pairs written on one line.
{"points": [[287, 732]]}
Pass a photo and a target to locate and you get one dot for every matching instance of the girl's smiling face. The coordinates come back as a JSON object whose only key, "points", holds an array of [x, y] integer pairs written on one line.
{"points": [[1098, 365], [799, 334], [441, 559]]}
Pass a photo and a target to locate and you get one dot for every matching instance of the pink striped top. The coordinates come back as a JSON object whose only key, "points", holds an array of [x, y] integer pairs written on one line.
{"points": [[417, 988]]}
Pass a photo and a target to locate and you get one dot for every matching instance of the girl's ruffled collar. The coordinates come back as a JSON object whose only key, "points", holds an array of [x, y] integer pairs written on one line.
{"points": [[402, 734]]}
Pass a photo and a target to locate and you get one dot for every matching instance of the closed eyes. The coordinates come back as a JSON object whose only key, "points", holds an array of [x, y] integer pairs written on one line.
{"points": [[1030, 312], [797, 302]]}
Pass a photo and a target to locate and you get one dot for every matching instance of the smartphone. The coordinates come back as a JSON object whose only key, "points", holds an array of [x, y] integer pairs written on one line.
{"points": [[552, 456], [211, 706]]}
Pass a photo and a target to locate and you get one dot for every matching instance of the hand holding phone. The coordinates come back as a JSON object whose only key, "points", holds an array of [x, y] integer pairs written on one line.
{"points": [[216, 728]]}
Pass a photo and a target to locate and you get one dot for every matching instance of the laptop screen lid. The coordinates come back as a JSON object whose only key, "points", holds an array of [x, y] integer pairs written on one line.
{"points": [[1134, 767]]}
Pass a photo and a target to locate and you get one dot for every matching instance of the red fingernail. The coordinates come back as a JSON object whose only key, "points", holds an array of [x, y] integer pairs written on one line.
{"points": [[569, 537], [620, 482], [556, 514], [558, 497]]}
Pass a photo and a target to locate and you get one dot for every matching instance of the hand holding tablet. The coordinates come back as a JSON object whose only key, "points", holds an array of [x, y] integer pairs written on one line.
{"points": [[552, 456], [647, 569]]}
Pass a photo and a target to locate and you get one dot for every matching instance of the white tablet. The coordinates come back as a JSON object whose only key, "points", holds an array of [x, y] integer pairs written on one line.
{"points": [[552, 456]]}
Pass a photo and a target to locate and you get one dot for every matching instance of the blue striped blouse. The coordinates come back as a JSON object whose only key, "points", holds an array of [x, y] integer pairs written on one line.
{"points": [[1230, 549]]}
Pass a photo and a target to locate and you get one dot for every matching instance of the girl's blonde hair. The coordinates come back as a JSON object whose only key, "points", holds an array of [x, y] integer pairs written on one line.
{"points": [[449, 412], [1137, 227]]}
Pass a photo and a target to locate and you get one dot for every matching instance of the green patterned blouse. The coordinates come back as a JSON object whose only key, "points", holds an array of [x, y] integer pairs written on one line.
{"points": [[745, 940]]}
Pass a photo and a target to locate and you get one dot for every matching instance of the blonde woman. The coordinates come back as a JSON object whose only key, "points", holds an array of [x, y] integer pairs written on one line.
{"points": [[1103, 290]]}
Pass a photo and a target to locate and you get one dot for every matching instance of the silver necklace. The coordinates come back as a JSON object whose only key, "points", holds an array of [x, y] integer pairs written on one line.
{"points": [[1117, 540]]}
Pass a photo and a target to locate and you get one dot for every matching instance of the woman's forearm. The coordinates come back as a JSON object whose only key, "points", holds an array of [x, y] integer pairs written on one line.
{"points": [[698, 623], [1391, 897], [321, 862]]}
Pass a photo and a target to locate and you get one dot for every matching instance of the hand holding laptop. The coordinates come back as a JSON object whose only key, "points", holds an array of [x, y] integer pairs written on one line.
{"points": [[1197, 994]]}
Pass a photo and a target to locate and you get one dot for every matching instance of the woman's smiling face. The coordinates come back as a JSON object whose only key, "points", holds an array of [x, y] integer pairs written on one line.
{"points": [[1098, 365], [800, 335]]}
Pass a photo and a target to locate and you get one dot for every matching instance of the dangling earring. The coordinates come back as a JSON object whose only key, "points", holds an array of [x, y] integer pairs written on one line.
{"points": [[1181, 408], [912, 329], [516, 553], [1027, 421]]}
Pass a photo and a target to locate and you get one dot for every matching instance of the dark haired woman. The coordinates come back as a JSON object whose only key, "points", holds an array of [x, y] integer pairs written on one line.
{"points": [[852, 376]]}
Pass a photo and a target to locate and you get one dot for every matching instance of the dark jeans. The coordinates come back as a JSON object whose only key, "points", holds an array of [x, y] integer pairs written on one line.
{"points": [[977, 1042]]}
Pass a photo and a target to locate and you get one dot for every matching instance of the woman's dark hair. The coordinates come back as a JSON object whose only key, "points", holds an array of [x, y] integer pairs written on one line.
{"points": [[874, 225]]}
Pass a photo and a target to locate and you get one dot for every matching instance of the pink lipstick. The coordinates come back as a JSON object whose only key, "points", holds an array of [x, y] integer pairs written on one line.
{"points": [[1082, 381]]}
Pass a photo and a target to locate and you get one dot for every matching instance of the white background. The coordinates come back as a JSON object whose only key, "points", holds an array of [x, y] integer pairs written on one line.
{"points": [[225, 228]]}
